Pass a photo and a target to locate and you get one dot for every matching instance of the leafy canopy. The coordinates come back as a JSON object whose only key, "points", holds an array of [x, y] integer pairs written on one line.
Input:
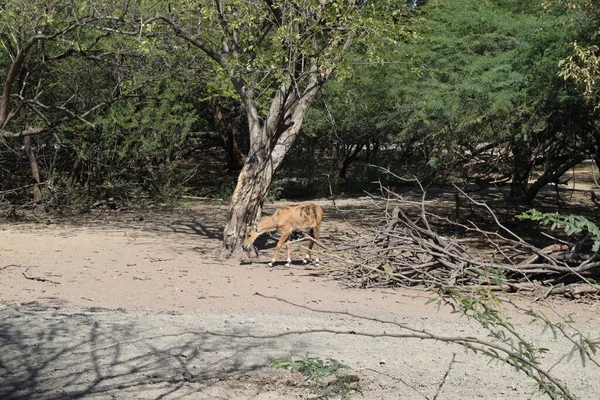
{"points": [[264, 43]]}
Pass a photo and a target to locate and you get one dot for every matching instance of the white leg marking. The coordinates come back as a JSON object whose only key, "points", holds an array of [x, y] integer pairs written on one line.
{"points": [[289, 262], [271, 263]]}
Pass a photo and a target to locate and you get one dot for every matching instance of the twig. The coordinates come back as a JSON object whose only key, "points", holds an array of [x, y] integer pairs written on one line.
{"points": [[399, 380], [484, 204], [35, 278], [8, 266], [342, 214], [445, 376], [308, 237], [387, 171], [22, 188]]}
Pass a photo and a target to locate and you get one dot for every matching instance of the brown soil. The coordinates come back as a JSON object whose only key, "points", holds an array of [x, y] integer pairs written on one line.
{"points": [[158, 261], [155, 275]]}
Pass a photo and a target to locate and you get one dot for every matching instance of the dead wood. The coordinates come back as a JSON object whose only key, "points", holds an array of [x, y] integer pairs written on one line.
{"points": [[407, 251]]}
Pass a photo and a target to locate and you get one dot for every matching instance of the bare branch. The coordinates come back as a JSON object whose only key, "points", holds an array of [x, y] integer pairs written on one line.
{"points": [[194, 40], [25, 132], [437, 393]]}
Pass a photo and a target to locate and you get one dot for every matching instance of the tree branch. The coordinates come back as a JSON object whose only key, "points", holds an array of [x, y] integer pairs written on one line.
{"points": [[25, 132]]}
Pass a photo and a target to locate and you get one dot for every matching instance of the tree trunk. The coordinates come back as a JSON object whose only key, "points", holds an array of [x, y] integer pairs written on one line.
{"points": [[246, 202], [595, 160], [226, 129], [350, 158], [235, 158], [271, 139], [522, 164], [270, 142], [35, 170], [371, 150], [551, 175], [271, 135]]}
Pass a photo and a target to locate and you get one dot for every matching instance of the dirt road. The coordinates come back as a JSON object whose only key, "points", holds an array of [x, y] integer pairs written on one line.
{"points": [[138, 307]]}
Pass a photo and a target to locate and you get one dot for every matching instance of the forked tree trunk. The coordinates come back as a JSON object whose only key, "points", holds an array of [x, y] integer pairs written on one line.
{"points": [[349, 159], [270, 142], [271, 135]]}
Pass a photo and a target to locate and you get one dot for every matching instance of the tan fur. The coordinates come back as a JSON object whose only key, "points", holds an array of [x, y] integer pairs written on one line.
{"points": [[305, 217]]}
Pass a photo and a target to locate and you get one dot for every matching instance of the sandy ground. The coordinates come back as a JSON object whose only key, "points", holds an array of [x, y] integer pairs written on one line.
{"points": [[132, 306]]}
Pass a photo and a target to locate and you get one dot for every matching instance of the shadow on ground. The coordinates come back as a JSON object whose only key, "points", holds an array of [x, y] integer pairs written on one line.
{"points": [[48, 354]]}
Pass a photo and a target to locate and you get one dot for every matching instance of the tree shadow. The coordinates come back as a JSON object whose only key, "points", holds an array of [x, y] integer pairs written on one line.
{"points": [[196, 227], [51, 354]]}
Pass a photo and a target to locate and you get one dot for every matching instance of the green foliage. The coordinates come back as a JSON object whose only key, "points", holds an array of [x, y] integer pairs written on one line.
{"points": [[327, 377], [463, 77], [225, 190], [355, 110], [570, 223], [153, 130], [466, 72], [473, 73], [480, 72], [271, 36], [275, 193], [582, 68], [507, 344]]}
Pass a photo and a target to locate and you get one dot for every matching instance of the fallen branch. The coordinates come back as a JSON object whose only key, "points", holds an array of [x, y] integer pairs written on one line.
{"points": [[407, 251], [575, 289]]}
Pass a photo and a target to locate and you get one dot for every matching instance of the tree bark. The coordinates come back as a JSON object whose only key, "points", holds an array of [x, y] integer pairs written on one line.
{"points": [[349, 159], [522, 164], [226, 128], [35, 170], [246, 202], [551, 175]]}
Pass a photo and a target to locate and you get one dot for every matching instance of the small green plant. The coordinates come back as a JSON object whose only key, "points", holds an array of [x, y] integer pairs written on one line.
{"points": [[275, 193], [226, 189], [326, 377], [570, 223]]}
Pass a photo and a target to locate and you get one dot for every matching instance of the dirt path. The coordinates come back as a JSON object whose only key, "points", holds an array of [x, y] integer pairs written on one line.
{"points": [[137, 306]]}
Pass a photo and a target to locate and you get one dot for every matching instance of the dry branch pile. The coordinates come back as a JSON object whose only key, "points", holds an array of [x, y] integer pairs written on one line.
{"points": [[406, 251]]}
